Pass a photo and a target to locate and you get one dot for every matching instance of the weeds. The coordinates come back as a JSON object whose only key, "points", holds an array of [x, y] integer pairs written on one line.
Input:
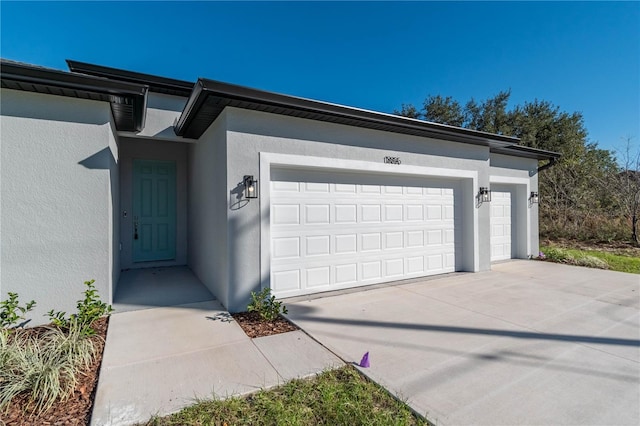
{"points": [[592, 259], [572, 257], [336, 397]]}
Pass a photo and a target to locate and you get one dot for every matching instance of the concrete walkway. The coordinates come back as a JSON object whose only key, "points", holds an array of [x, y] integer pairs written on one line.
{"points": [[157, 361], [529, 343]]}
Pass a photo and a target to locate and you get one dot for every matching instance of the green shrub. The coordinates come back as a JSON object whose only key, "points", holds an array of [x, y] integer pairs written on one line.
{"points": [[11, 311], [89, 309], [573, 257], [555, 255], [44, 365], [591, 262], [266, 305]]}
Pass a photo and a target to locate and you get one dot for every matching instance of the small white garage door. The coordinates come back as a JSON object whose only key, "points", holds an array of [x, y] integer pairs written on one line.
{"points": [[500, 225], [331, 232]]}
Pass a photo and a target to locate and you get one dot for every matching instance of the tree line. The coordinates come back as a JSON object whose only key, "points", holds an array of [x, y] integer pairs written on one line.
{"points": [[588, 195]]}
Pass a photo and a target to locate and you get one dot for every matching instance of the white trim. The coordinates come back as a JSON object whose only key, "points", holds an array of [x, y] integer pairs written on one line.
{"points": [[508, 180], [268, 160]]}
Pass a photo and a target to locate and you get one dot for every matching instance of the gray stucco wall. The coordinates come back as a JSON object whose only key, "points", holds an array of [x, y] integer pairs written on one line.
{"points": [[251, 132], [56, 199], [504, 168], [208, 232], [131, 149]]}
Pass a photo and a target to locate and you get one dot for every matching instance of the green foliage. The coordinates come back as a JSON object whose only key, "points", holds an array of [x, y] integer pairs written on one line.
{"points": [[574, 257], [89, 309], [11, 312], [44, 365], [266, 305], [584, 195], [443, 110], [554, 254], [593, 259], [337, 397]]}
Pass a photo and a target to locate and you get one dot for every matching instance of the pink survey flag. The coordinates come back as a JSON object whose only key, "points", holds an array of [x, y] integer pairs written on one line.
{"points": [[364, 362]]}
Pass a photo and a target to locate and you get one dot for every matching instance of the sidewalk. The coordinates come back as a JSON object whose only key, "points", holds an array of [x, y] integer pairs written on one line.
{"points": [[157, 361]]}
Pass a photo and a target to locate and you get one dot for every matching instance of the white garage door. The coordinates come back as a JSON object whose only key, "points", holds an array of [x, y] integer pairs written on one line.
{"points": [[330, 232], [500, 225]]}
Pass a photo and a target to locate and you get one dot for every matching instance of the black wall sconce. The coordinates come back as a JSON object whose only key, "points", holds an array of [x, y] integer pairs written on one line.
{"points": [[250, 187], [484, 195], [534, 198]]}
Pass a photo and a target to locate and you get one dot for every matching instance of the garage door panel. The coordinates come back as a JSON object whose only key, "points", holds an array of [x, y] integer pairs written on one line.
{"points": [[315, 214], [339, 234], [371, 270], [370, 189], [346, 273], [318, 245], [344, 188], [415, 239], [346, 213], [393, 240], [371, 241], [394, 267], [450, 260], [346, 243], [285, 247], [318, 277], [285, 214], [288, 280], [371, 213], [393, 213]]}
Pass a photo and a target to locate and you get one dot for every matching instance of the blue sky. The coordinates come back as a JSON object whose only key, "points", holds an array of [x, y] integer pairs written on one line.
{"points": [[580, 56]]}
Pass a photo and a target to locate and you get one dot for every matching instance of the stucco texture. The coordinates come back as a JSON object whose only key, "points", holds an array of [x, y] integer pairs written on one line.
{"points": [[56, 199], [250, 133]]}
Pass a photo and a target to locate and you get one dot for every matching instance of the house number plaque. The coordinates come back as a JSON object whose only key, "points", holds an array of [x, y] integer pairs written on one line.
{"points": [[392, 160]]}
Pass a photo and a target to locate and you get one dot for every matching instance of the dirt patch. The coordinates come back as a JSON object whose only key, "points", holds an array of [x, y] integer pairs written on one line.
{"points": [[254, 326], [76, 410]]}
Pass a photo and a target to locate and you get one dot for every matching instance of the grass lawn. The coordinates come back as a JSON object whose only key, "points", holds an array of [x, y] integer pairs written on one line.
{"points": [[621, 262], [336, 397]]}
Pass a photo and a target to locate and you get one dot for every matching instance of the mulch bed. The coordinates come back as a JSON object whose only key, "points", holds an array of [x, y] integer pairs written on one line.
{"points": [[76, 410], [254, 326]]}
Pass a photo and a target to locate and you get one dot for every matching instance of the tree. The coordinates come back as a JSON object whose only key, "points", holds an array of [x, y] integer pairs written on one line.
{"points": [[443, 110], [626, 186], [576, 201]]}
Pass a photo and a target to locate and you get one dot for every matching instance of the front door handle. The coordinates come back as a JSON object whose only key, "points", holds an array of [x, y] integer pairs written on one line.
{"points": [[135, 227]]}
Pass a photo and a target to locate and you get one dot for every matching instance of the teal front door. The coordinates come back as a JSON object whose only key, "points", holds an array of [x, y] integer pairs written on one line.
{"points": [[154, 210]]}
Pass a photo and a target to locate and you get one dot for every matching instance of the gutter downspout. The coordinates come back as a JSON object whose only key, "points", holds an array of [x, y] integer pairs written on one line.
{"points": [[551, 162]]}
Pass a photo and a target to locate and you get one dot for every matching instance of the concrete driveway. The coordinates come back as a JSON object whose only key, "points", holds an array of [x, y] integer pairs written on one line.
{"points": [[528, 343]]}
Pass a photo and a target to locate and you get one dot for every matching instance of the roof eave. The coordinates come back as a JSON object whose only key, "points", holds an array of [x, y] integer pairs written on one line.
{"points": [[526, 152], [112, 91], [157, 84], [234, 93]]}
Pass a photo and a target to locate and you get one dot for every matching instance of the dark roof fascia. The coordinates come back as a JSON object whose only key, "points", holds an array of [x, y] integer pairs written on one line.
{"points": [[234, 93], [526, 152], [114, 91], [156, 84], [28, 74]]}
